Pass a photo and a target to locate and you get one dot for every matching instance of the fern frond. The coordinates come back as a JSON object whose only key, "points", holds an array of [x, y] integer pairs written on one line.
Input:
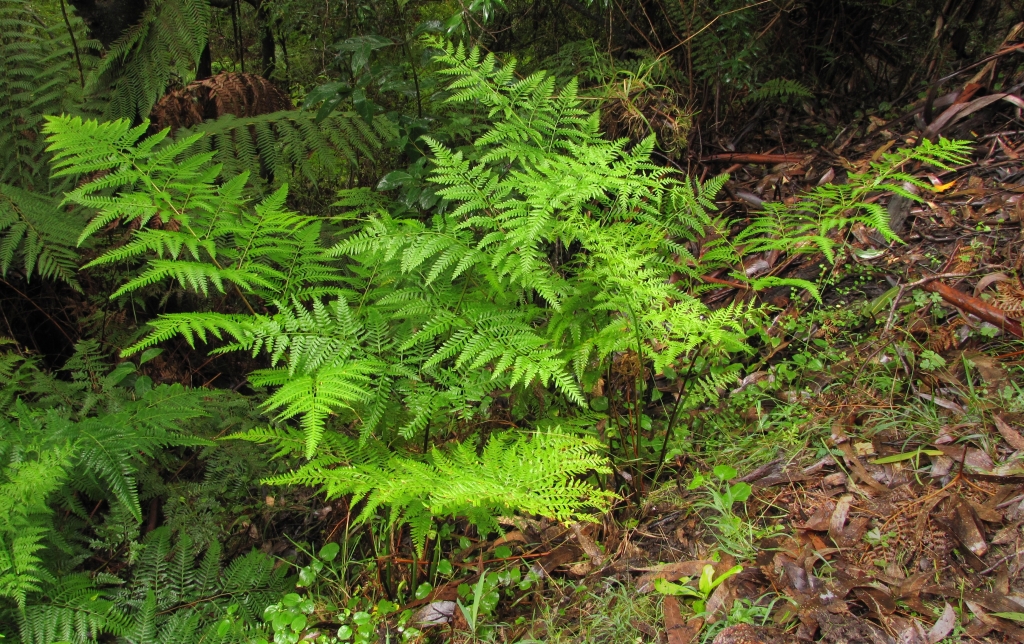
{"points": [[165, 44], [535, 474]]}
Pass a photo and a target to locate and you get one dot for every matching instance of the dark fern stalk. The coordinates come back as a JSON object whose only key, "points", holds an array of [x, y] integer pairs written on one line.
{"points": [[74, 43]]}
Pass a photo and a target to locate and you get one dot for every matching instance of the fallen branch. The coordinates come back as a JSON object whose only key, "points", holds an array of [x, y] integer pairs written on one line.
{"points": [[976, 306], [755, 158]]}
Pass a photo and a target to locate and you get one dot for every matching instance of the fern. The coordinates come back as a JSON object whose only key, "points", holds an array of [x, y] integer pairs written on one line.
{"points": [[170, 598], [32, 226], [165, 45], [807, 225], [49, 448], [549, 253], [280, 144], [202, 235], [778, 90], [535, 474], [38, 75], [73, 611]]}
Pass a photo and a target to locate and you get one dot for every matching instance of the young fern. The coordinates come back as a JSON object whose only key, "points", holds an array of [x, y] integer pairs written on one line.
{"points": [[535, 474], [779, 90], [807, 225]]}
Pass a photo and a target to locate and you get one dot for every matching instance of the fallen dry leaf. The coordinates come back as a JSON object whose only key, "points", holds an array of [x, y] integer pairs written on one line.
{"points": [[678, 631], [720, 601], [943, 625], [819, 521], [973, 457], [1001, 625], [967, 529], [839, 516], [1009, 434], [509, 537], [440, 612]]}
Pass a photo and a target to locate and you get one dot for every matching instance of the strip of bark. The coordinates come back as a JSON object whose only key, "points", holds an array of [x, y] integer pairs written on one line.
{"points": [[975, 306], [737, 157]]}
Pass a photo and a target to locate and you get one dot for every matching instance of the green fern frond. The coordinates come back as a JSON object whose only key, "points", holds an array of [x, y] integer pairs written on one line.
{"points": [[779, 89], [164, 45], [537, 474]]}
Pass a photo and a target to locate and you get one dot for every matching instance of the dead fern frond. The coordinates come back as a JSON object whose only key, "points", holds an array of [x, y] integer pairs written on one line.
{"points": [[228, 93]]}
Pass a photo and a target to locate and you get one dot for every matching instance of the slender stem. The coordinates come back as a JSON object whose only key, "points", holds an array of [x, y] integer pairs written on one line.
{"points": [[74, 43], [39, 308], [412, 66], [675, 417]]}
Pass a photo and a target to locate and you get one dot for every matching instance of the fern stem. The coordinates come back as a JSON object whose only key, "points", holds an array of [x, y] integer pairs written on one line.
{"points": [[74, 43], [39, 308], [674, 418], [412, 66]]}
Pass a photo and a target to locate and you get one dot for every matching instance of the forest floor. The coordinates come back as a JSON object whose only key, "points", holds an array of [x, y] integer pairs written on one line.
{"points": [[876, 513]]}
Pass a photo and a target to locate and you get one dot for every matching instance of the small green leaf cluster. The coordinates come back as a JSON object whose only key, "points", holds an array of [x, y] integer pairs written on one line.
{"points": [[706, 584], [736, 536]]}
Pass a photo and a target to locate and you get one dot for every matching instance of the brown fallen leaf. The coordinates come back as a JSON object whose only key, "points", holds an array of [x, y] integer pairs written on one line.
{"points": [[990, 601], [987, 281], [838, 628], [907, 631], [720, 601], [678, 631], [974, 457], [1002, 625], [439, 612], [644, 628], [1006, 535], [1009, 434], [858, 468], [509, 537], [839, 516], [967, 528], [819, 521], [990, 369], [589, 545], [941, 466], [878, 601], [942, 402], [943, 625], [560, 556], [985, 513]]}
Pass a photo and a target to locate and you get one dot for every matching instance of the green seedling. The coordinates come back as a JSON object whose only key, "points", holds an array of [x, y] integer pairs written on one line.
{"points": [[705, 586], [484, 600], [736, 535]]}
